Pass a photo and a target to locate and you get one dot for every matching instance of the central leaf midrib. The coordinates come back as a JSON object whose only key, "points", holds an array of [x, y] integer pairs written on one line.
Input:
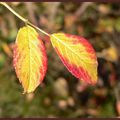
{"points": [[29, 57]]}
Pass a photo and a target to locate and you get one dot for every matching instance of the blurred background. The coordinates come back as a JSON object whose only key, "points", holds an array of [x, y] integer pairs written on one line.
{"points": [[61, 94]]}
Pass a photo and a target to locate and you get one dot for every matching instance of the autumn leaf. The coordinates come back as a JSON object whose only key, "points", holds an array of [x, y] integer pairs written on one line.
{"points": [[78, 56], [110, 54], [29, 58]]}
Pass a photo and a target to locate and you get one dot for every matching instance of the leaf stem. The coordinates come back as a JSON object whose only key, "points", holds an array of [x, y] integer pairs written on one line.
{"points": [[23, 19]]}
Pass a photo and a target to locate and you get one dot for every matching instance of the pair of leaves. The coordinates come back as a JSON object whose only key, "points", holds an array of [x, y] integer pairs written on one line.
{"points": [[30, 59]]}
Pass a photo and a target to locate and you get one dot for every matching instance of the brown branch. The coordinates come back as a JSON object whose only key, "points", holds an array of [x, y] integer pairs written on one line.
{"points": [[52, 13], [31, 11], [82, 9]]}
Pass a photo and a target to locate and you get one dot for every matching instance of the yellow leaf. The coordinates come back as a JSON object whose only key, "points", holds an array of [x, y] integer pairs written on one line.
{"points": [[110, 54], [30, 59], [78, 56]]}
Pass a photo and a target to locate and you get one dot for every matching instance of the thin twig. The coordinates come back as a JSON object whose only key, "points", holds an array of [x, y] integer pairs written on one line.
{"points": [[53, 11], [23, 19], [31, 11], [82, 9]]}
